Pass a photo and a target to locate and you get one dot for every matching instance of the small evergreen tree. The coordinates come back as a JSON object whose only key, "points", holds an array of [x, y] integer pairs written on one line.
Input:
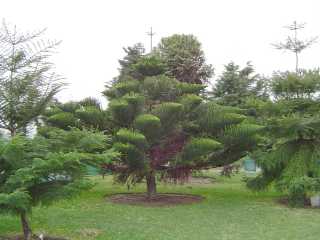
{"points": [[45, 168]]}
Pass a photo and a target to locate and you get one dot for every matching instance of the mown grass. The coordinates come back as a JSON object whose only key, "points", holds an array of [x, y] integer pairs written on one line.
{"points": [[229, 212]]}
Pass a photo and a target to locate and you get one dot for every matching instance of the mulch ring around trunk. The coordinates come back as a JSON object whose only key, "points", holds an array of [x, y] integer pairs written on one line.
{"points": [[20, 237], [159, 200]]}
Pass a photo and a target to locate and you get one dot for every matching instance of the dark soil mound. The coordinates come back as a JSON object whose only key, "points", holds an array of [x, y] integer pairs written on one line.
{"points": [[161, 199]]}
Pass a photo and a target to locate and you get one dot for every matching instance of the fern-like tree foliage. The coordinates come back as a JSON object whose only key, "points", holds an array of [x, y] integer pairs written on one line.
{"points": [[290, 156], [27, 80], [48, 167], [165, 126]]}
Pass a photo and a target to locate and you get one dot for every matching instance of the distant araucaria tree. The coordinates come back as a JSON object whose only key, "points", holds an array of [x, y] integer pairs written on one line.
{"points": [[236, 85]]}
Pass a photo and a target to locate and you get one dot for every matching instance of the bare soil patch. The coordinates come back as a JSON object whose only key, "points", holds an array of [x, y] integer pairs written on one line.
{"points": [[160, 200]]}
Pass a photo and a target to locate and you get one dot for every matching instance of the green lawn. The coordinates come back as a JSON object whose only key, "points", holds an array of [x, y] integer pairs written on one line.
{"points": [[229, 212]]}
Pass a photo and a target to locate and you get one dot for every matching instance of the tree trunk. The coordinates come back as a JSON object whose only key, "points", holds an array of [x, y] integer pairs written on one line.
{"points": [[297, 63], [13, 132], [151, 185], [27, 233]]}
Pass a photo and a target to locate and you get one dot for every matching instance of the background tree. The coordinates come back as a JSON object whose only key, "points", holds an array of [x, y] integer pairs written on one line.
{"points": [[27, 80], [164, 126], [47, 167], [185, 59], [235, 85], [291, 93], [294, 44]]}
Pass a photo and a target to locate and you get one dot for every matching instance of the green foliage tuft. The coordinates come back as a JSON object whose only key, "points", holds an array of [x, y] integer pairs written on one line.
{"points": [[242, 134], [213, 118], [160, 87], [93, 142], [198, 149], [125, 87], [190, 88], [69, 107], [168, 110], [148, 124], [133, 137], [150, 65], [90, 116], [90, 102], [135, 99], [131, 155], [64, 120], [15, 202], [190, 102], [119, 109]]}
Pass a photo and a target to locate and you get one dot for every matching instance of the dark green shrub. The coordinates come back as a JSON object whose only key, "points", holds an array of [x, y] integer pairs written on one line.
{"points": [[297, 192]]}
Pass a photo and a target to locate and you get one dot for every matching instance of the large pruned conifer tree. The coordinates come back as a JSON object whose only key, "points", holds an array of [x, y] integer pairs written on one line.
{"points": [[165, 127]]}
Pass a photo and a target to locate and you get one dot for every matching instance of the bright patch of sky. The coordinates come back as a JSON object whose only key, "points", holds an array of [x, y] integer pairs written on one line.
{"points": [[94, 32]]}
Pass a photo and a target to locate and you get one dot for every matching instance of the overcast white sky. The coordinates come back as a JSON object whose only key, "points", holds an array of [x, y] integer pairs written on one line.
{"points": [[94, 32]]}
